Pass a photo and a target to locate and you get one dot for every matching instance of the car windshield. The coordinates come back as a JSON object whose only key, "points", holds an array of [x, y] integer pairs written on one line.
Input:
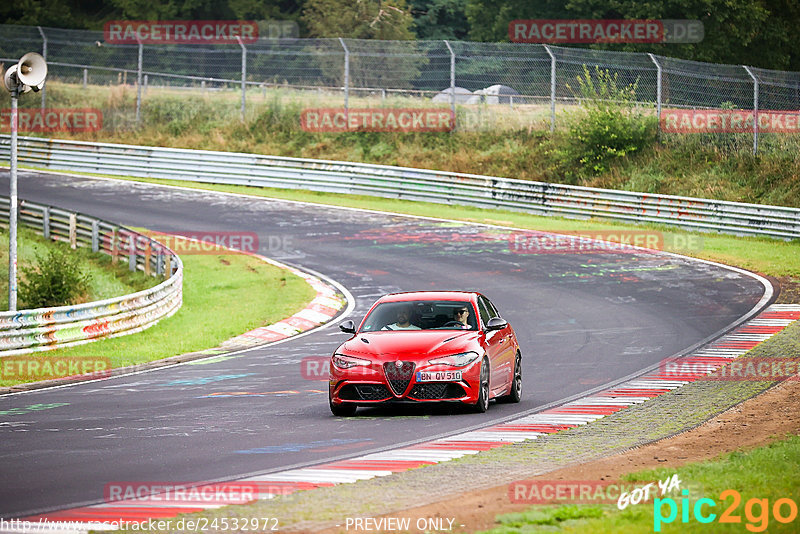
{"points": [[421, 315]]}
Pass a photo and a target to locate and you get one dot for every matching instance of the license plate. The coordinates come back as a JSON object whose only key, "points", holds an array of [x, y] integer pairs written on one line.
{"points": [[438, 376]]}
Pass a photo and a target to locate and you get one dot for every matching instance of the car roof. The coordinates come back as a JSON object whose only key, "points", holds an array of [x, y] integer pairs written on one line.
{"points": [[429, 295]]}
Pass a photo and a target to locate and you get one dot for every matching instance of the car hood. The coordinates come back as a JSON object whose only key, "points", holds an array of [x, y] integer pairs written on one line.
{"points": [[411, 344]]}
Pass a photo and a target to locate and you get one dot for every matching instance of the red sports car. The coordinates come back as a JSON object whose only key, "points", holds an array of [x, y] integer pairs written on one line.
{"points": [[428, 346]]}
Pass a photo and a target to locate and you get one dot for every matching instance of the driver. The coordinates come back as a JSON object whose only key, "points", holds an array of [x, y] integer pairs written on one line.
{"points": [[403, 320], [461, 315]]}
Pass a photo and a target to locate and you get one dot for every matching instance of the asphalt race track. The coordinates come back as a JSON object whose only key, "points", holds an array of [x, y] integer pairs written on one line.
{"points": [[583, 320]]}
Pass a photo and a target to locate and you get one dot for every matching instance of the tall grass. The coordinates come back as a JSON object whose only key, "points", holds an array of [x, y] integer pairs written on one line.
{"points": [[500, 140]]}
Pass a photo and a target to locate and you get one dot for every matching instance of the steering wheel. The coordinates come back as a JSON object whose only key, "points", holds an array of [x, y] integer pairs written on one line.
{"points": [[453, 323]]}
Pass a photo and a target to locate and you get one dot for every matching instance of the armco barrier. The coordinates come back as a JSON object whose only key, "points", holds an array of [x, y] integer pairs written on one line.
{"points": [[48, 328], [406, 183]]}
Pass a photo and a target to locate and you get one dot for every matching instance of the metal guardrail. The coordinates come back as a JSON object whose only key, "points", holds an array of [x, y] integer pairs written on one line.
{"points": [[41, 329], [538, 198]]}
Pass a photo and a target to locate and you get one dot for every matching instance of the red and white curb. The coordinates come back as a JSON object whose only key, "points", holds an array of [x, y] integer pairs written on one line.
{"points": [[325, 305], [578, 412]]}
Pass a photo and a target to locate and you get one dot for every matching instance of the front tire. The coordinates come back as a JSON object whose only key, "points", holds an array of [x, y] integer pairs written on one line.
{"points": [[483, 389], [343, 409]]}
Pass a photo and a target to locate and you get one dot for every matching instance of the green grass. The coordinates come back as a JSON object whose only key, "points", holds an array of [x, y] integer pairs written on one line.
{"points": [[223, 296], [107, 280], [757, 474], [498, 141]]}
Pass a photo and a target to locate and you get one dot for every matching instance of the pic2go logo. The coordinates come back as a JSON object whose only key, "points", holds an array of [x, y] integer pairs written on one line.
{"points": [[756, 511]]}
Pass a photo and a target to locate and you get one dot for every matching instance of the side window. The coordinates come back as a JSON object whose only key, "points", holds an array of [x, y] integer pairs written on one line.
{"points": [[483, 311], [490, 307]]}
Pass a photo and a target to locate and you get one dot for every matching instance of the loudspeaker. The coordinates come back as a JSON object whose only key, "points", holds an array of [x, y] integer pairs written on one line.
{"points": [[32, 70]]}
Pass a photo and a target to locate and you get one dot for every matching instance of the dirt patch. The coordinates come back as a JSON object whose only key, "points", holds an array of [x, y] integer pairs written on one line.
{"points": [[790, 290], [754, 423]]}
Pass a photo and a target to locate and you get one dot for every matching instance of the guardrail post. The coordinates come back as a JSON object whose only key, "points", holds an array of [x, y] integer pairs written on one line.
{"points": [[73, 231], [346, 79], [552, 88], [95, 236], [244, 74], [46, 222], [755, 109], [114, 247], [658, 90], [452, 83], [44, 55], [139, 85], [131, 253], [147, 255]]}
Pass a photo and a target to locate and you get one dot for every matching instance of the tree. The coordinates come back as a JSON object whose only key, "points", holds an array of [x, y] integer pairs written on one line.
{"points": [[440, 19], [362, 19]]}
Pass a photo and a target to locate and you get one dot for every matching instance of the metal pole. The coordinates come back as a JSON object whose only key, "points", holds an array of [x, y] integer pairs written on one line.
{"points": [[452, 83], [139, 86], [552, 88], [244, 75], [12, 209], [85, 78], [755, 109], [346, 79], [658, 90], [44, 55]]}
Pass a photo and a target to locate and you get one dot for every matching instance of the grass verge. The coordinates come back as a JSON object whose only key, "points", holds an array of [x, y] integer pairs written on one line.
{"points": [[760, 477], [107, 280], [223, 296]]}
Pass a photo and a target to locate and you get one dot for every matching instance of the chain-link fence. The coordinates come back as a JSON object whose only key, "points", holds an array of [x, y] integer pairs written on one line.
{"points": [[523, 84]]}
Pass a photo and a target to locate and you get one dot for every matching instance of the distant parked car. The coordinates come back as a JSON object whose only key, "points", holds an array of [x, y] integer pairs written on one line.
{"points": [[428, 346]]}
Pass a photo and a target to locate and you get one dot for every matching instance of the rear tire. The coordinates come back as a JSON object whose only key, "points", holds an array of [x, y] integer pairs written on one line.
{"points": [[483, 389], [515, 395]]}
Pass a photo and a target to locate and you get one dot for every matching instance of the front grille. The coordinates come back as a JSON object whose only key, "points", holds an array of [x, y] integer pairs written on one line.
{"points": [[399, 377], [368, 392], [437, 390]]}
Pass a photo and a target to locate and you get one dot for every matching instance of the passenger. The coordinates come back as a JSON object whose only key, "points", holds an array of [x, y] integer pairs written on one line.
{"points": [[403, 320]]}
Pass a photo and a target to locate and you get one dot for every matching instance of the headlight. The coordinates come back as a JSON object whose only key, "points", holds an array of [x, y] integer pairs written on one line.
{"points": [[456, 360], [346, 362]]}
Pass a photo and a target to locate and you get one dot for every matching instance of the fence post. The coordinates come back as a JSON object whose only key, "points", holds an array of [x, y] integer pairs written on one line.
{"points": [[658, 90], [244, 75], [139, 85], [85, 78], [44, 55], [46, 222], [452, 83], [95, 236], [131, 253], [73, 231], [755, 109], [552, 88], [346, 79]]}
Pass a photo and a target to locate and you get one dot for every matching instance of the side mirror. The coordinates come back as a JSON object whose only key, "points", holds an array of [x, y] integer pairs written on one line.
{"points": [[496, 323], [348, 327]]}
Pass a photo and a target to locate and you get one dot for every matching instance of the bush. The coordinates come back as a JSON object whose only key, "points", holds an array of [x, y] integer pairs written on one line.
{"points": [[56, 280], [610, 126]]}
